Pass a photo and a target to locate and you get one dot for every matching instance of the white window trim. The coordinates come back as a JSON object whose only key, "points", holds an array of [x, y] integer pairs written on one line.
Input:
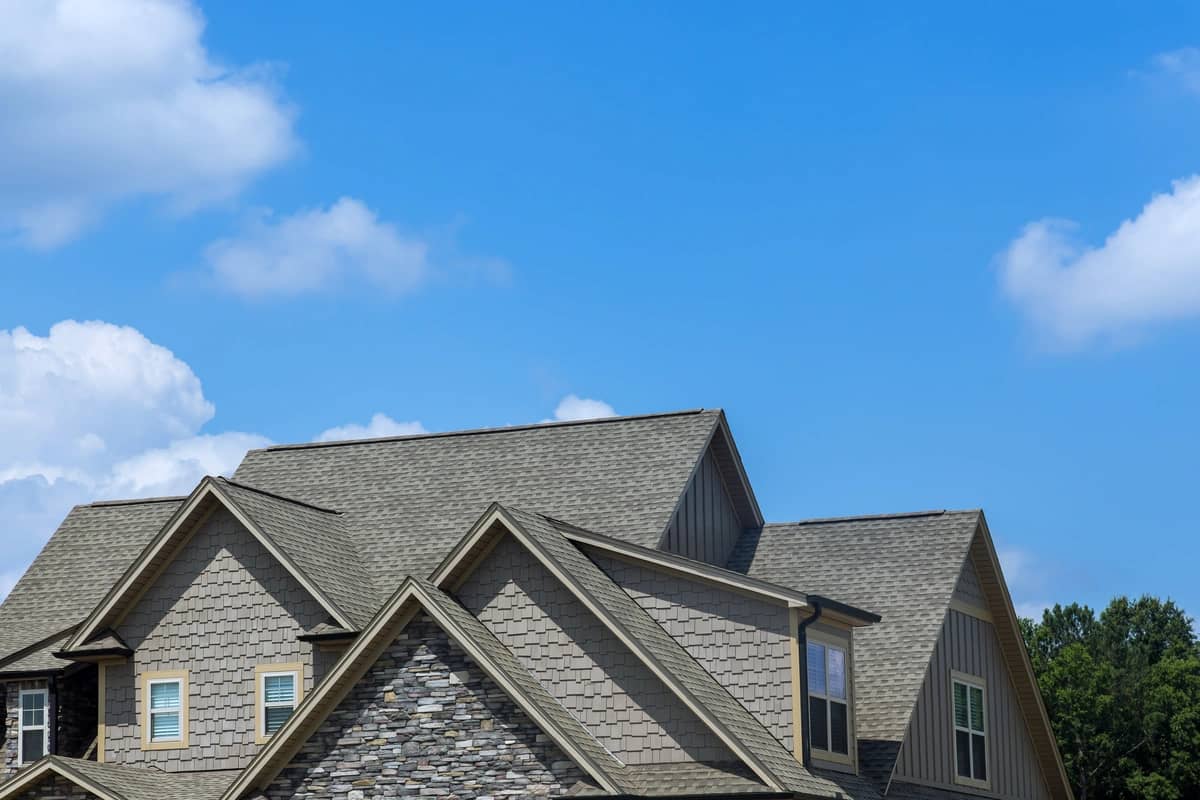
{"points": [[971, 681], [261, 673], [22, 728], [849, 759], [149, 679]]}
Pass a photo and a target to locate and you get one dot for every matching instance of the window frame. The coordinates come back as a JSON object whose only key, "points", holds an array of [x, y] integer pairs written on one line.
{"points": [[261, 673], [22, 727], [845, 645], [971, 682], [149, 679]]}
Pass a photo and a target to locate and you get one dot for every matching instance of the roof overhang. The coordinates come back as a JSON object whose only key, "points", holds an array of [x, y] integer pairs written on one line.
{"points": [[50, 765]]}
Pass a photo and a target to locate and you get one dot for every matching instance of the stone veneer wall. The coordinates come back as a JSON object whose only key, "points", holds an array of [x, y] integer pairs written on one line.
{"points": [[426, 721], [55, 787], [12, 719]]}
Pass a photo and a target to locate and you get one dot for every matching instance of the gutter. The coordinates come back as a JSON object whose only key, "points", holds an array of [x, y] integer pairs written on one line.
{"points": [[802, 643]]}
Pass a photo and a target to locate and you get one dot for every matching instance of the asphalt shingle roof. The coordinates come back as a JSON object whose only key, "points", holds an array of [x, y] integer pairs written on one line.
{"points": [[81, 562], [136, 783], [903, 567]]}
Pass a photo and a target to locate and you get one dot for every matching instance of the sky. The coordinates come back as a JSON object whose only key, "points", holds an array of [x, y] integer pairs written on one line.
{"points": [[945, 257]]}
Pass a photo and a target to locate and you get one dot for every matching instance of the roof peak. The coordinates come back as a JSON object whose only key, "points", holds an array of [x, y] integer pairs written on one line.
{"points": [[276, 495], [482, 431], [135, 501]]}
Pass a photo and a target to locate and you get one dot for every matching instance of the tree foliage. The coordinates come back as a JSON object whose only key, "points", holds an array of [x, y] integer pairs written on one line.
{"points": [[1123, 692]]}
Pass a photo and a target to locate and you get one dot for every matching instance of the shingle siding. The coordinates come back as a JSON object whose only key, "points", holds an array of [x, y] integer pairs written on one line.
{"points": [[220, 609], [969, 645], [705, 525], [968, 589], [582, 664], [425, 721], [743, 641]]}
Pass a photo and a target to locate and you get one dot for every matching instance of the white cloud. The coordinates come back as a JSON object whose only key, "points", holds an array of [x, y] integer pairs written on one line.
{"points": [[1181, 66], [573, 407], [109, 100], [1146, 272], [319, 249], [93, 411], [1027, 581], [380, 425]]}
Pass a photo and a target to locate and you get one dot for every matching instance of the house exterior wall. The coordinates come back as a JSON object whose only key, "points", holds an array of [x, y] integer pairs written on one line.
{"points": [[12, 717], [705, 525], [743, 641], [221, 608], [969, 645], [582, 664], [426, 721]]}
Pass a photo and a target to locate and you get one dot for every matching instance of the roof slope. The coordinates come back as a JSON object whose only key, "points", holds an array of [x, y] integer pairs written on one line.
{"points": [[89, 552], [124, 782], [316, 540], [904, 567], [407, 500]]}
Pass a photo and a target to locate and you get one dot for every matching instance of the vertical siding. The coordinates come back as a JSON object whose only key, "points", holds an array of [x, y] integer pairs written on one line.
{"points": [[968, 589], [582, 664], [741, 640], [969, 645], [706, 525], [223, 606]]}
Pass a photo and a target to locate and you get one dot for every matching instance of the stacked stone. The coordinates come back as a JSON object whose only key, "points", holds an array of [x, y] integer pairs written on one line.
{"points": [[425, 721]]}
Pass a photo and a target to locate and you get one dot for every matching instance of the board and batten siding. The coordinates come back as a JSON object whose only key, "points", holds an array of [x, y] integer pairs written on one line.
{"points": [[221, 608], [705, 526], [743, 641], [969, 645], [582, 663]]}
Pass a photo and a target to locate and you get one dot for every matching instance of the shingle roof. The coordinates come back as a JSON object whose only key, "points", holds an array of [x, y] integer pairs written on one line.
{"points": [[316, 540], [904, 567], [83, 559], [407, 500], [695, 680], [136, 783]]}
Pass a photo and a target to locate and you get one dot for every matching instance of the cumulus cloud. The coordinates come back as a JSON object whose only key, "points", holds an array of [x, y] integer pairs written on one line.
{"points": [[380, 425], [92, 411], [319, 249], [1146, 272], [573, 407], [1181, 66], [110, 100]]}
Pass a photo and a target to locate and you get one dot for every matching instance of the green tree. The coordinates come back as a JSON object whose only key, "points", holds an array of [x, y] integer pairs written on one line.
{"points": [[1123, 693]]}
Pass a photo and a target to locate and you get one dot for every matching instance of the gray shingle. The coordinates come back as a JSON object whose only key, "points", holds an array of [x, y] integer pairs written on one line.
{"points": [[903, 567], [135, 783]]}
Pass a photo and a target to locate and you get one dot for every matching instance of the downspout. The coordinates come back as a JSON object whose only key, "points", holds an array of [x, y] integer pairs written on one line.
{"points": [[802, 644]]}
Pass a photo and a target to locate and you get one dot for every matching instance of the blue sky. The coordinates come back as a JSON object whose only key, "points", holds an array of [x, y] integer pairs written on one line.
{"points": [[948, 258]]}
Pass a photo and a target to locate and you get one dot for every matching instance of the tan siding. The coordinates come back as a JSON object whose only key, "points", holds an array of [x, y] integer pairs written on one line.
{"points": [[222, 607], [705, 526], [968, 589], [969, 645], [741, 640], [582, 664]]}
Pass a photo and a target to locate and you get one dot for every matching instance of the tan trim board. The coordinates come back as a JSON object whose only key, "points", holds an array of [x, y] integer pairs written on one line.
{"points": [[970, 610], [797, 699], [848, 762], [101, 709], [294, 668], [166, 676]]}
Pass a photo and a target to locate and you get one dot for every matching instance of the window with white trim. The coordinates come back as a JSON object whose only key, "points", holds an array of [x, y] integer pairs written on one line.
{"points": [[970, 730], [828, 700], [278, 691], [33, 732], [165, 710]]}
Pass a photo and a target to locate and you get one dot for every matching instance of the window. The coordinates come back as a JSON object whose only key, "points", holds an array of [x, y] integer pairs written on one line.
{"points": [[164, 710], [828, 700], [33, 731], [279, 688], [970, 730]]}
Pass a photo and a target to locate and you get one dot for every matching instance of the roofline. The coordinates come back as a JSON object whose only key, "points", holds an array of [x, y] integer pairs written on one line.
{"points": [[498, 513], [276, 495], [936, 512], [40, 644], [478, 431], [410, 590], [135, 501], [51, 763]]}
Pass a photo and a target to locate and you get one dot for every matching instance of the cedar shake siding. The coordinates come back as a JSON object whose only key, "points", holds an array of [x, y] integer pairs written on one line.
{"points": [[741, 640], [221, 608], [969, 645], [425, 721], [582, 664]]}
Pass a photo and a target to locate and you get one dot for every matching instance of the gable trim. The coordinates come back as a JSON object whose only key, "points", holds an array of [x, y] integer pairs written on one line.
{"points": [[142, 573], [970, 609], [403, 606], [50, 764], [498, 514]]}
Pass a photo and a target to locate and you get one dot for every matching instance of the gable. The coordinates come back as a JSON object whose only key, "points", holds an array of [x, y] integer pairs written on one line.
{"points": [[968, 590], [968, 645], [425, 697], [706, 524], [581, 663], [742, 640]]}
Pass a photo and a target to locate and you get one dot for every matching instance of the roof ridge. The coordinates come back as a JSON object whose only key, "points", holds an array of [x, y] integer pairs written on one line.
{"points": [[277, 496], [136, 501], [481, 431], [935, 512]]}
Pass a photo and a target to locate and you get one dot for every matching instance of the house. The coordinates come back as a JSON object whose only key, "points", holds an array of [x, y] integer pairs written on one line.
{"points": [[594, 608]]}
